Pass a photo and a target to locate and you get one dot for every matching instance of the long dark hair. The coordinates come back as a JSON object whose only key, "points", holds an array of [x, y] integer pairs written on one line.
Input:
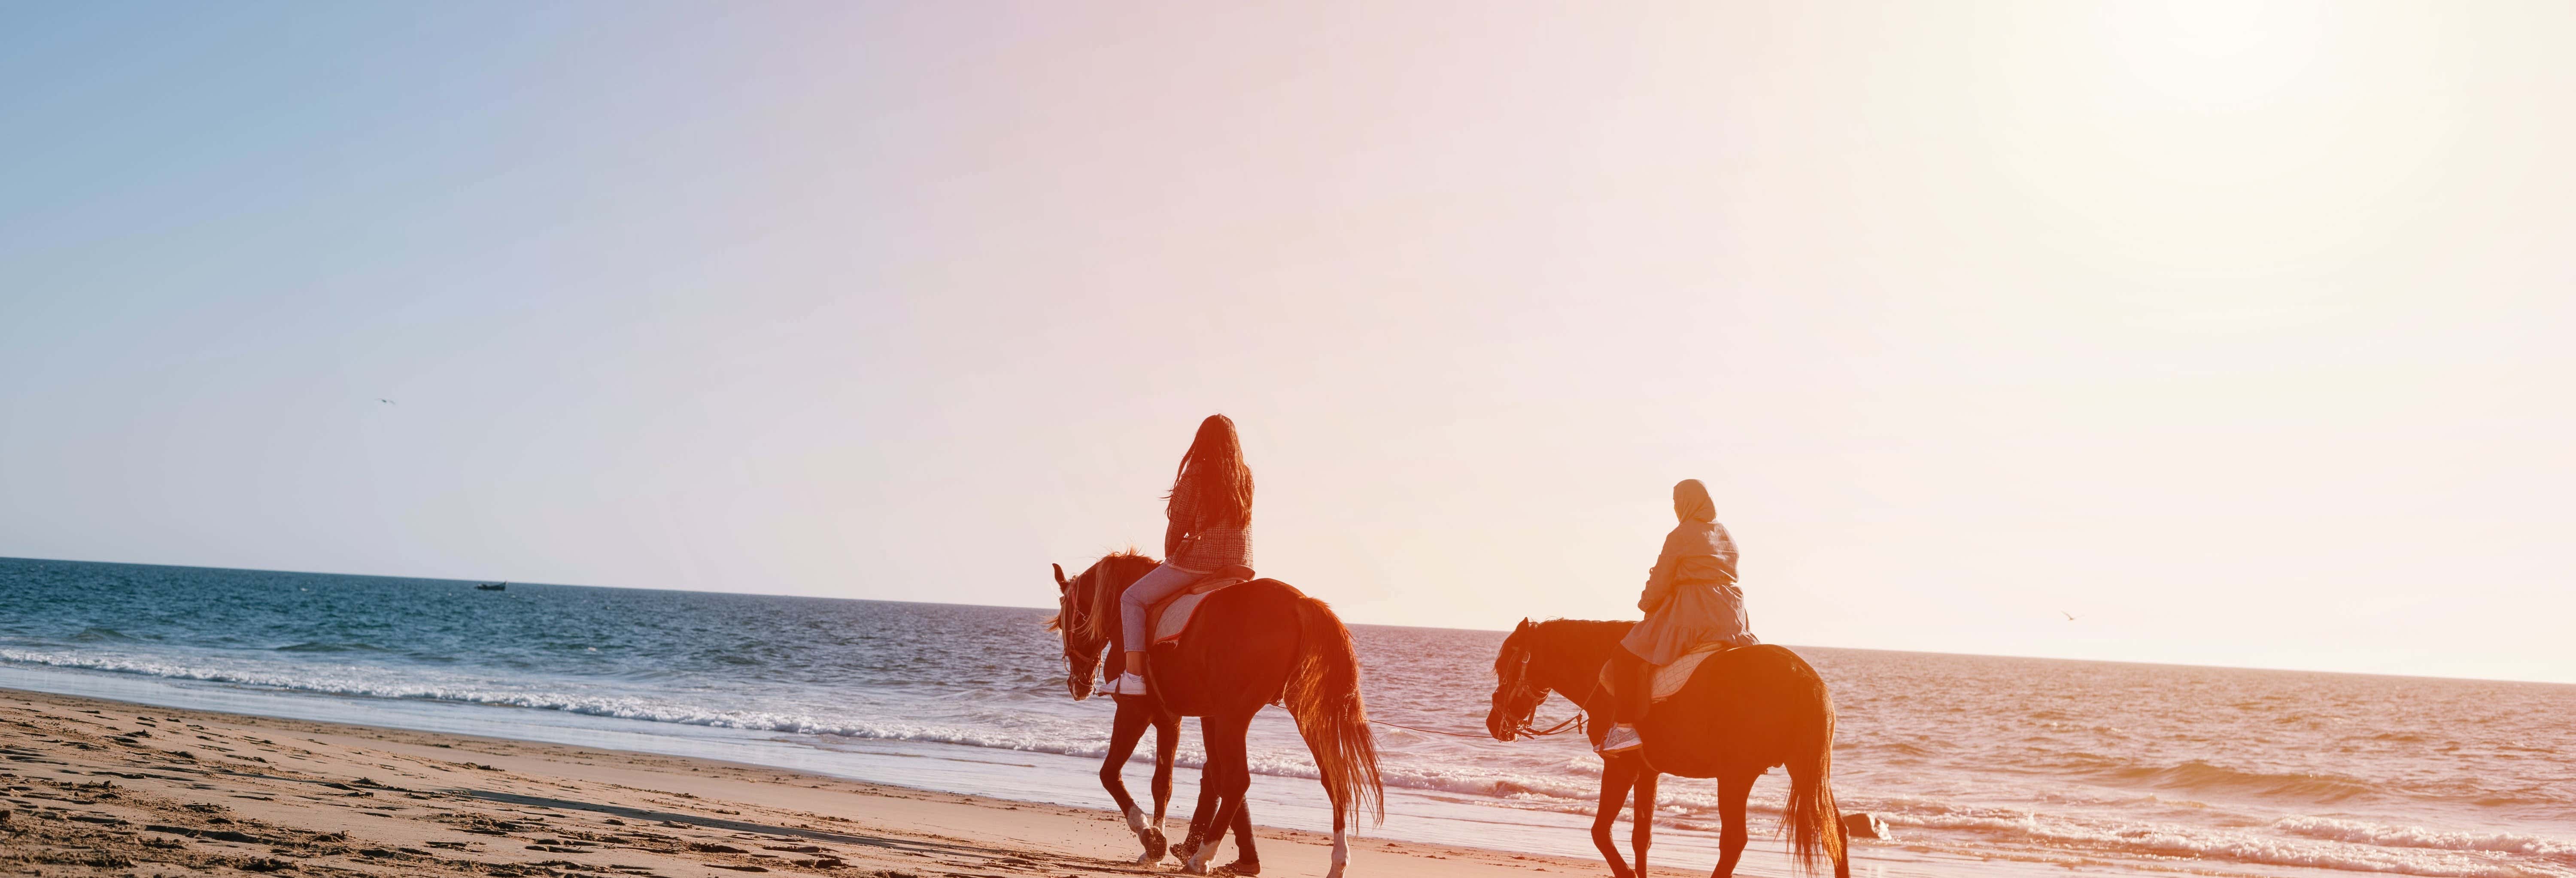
{"points": [[1213, 477]]}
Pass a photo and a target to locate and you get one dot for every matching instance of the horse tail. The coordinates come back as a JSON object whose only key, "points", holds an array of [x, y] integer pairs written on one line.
{"points": [[1815, 822], [1323, 693]]}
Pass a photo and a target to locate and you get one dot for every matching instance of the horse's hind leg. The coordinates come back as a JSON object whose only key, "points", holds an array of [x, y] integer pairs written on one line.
{"points": [[1617, 773], [1228, 774], [1842, 863], [1731, 793], [1197, 837], [1249, 861], [1129, 725]]}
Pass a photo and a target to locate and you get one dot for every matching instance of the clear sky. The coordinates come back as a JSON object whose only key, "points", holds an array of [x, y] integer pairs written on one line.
{"points": [[2239, 331]]}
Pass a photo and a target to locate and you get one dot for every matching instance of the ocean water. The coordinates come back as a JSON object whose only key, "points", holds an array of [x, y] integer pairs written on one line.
{"points": [[1983, 765]]}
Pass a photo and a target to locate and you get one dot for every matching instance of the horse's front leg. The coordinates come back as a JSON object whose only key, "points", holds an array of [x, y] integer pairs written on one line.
{"points": [[1617, 773], [1167, 744], [1642, 834], [1731, 793], [1129, 726]]}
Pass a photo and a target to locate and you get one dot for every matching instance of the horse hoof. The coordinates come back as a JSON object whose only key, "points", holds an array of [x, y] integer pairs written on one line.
{"points": [[1245, 868], [1194, 867], [1155, 846]]}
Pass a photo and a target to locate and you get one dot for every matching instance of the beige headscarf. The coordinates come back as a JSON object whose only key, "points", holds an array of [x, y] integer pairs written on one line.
{"points": [[1691, 503]]}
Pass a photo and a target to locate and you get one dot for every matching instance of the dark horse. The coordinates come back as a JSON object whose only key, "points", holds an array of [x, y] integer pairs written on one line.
{"points": [[1251, 644], [1136, 713], [1744, 711]]}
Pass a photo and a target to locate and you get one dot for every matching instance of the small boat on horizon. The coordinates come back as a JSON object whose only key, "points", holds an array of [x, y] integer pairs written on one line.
{"points": [[493, 586]]}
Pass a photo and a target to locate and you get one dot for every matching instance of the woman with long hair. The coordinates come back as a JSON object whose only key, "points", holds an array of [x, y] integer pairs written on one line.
{"points": [[1691, 600], [1210, 508]]}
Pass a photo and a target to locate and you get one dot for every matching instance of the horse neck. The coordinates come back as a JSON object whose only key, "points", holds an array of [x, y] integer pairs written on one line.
{"points": [[1570, 657], [1116, 573]]}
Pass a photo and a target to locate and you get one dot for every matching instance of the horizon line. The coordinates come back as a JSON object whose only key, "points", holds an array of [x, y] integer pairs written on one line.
{"points": [[1368, 624]]}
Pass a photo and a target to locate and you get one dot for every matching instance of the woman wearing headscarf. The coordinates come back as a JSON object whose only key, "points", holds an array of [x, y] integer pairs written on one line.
{"points": [[1210, 529], [1691, 600]]}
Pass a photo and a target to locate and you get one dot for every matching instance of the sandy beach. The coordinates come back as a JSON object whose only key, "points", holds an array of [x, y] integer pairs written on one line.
{"points": [[100, 787]]}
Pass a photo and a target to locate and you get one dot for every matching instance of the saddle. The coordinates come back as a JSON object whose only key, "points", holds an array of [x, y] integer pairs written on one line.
{"points": [[1670, 678], [1170, 618]]}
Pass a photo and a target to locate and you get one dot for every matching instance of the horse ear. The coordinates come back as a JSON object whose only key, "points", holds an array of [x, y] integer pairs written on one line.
{"points": [[1060, 583], [1524, 625]]}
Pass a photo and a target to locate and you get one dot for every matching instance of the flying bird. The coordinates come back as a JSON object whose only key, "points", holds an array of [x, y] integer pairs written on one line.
{"points": [[2069, 616], [384, 400]]}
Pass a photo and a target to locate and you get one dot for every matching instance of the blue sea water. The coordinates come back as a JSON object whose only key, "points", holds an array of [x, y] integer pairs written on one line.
{"points": [[1982, 764]]}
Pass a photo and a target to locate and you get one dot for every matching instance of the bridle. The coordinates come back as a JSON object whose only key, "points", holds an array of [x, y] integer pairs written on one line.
{"points": [[1520, 690], [1075, 623]]}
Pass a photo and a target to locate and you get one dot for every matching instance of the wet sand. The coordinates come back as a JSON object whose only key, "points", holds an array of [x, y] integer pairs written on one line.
{"points": [[98, 787]]}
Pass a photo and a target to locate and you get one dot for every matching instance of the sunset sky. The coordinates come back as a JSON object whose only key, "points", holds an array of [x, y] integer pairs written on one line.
{"points": [[2242, 332]]}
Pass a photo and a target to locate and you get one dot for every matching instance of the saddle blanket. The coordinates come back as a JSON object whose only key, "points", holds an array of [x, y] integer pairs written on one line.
{"points": [[1172, 617], [1669, 678]]}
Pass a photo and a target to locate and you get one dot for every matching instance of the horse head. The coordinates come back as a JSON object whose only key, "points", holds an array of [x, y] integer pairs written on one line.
{"points": [[1516, 695], [1086, 613], [1082, 644]]}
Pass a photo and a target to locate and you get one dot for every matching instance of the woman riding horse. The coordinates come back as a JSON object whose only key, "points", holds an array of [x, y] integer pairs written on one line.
{"points": [[1255, 643], [1691, 601], [1210, 513], [1743, 712]]}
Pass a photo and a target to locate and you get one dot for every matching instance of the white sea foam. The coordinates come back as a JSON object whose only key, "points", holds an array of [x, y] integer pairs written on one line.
{"points": [[2351, 847], [2419, 837], [2205, 776]]}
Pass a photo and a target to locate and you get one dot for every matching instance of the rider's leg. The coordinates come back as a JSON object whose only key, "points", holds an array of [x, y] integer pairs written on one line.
{"points": [[1636, 682], [1156, 585]]}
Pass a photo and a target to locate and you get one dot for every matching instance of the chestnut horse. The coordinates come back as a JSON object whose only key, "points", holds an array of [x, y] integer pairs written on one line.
{"points": [[1744, 711], [1135, 714], [1248, 645]]}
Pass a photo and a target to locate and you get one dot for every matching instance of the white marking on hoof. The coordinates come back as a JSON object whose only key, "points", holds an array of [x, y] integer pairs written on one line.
{"points": [[1136, 825], [1198, 864], [1341, 854]]}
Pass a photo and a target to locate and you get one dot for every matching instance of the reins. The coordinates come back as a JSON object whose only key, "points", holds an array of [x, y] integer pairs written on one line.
{"points": [[1576, 721]]}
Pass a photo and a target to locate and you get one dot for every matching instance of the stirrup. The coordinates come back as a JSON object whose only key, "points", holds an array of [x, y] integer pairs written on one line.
{"points": [[1621, 738]]}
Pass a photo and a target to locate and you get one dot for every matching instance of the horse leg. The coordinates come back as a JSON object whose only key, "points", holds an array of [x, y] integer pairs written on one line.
{"points": [[1248, 862], [1732, 790], [1228, 774], [1197, 837], [1617, 773], [1167, 743], [1124, 731], [1642, 833], [1842, 864]]}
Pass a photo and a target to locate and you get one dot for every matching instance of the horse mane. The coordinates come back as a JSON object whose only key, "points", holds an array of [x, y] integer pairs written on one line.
{"points": [[1101, 585], [1579, 640]]}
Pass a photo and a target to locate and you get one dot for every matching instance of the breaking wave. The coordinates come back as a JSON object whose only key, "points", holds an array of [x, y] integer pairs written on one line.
{"points": [[2143, 768]]}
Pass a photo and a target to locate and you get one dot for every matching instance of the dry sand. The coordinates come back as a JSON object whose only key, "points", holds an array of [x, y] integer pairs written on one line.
{"points": [[107, 788]]}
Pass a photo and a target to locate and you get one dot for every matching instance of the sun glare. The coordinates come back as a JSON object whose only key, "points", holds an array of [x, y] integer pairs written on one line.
{"points": [[2216, 54]]}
